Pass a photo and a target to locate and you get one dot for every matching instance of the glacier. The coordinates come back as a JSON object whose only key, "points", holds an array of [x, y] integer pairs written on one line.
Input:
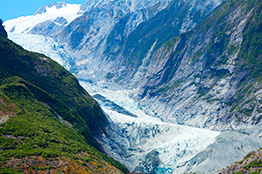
{"points": [[143, 142], [41, 44], [174, 144]]}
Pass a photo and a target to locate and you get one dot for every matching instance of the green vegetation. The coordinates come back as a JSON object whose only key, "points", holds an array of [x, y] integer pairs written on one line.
{"points": [[202, 90], [66, 96], [163, 90], [8, 171], [35, 130], [255, 173], [158, 30], [218, 50], [48, 114], [251, 51], [253, 164], [250, 54]]}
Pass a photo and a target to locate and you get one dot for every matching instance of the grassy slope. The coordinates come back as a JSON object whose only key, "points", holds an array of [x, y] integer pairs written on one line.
{"points": [[34, 92], [80, 109]]}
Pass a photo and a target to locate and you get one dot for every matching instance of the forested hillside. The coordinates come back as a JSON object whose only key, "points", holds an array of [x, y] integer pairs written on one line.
{"points": [[47, 120]]}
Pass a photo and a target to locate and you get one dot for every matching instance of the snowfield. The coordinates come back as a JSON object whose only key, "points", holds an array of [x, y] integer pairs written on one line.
{"points": [[26, 23]]}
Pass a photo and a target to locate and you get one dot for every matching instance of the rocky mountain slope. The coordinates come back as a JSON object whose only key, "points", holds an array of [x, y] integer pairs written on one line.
{"points": [[177, 18], [102, 31], [47, 120], [251, 163], [193, 63], [208, 77]]}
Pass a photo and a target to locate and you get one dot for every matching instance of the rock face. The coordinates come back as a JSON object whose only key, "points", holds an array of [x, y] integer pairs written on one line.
{"points": [[206, 77], [177, 18], [103, 24], [100, 33], [252, 162], [230, 146], [194, 63]]}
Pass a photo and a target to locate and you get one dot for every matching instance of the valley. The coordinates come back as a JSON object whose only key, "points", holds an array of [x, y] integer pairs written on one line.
{"points": [[146, 137], [180, 90]]}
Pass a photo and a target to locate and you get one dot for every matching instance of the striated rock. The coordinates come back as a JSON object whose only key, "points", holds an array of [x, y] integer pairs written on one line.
{"points": [[198, 78]]}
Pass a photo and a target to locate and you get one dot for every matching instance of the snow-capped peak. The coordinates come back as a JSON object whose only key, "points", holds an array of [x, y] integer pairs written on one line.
{"points": [[50, 12], [57, 5]]}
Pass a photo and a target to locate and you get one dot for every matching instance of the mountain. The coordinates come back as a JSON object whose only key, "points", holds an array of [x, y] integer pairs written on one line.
{"points": [[102, 35], [2, 30], [99, 34], [161, 69], [208, 77], [47, 120], [177, 18], [251, 163], [53, 17]]}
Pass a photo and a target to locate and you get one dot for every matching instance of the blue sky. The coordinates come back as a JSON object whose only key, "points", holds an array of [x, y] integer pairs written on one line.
{"points": [[10, 9]]}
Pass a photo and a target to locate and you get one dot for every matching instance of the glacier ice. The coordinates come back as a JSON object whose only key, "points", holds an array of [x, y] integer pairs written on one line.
{"points": [[41, 44], [175, 147], [175, 144], [144, 135]]}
